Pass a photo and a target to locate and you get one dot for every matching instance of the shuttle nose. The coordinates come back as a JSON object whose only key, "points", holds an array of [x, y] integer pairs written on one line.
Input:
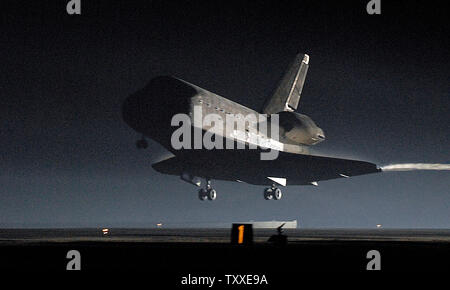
{"points": [[320, 136]]}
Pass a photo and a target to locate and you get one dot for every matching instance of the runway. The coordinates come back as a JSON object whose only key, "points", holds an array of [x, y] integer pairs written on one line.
{"points": [[211, 235], [172, 253]]}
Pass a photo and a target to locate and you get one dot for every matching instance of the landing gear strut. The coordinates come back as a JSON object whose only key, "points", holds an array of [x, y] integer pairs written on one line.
{"points": [[208, 192], [272, 193], [142, 143]]}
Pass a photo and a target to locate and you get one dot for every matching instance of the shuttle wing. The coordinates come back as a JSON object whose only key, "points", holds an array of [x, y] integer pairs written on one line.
{"points": [[287, 94], [246, 166]]}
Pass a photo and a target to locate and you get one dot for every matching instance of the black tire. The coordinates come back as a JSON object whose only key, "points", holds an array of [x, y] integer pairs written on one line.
{"points": [[268, 194], [202, 194], [277, 194], [212, 194]]}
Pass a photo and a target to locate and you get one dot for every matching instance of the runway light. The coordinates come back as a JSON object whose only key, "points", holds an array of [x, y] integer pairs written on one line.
{"points": [[105, 231]]}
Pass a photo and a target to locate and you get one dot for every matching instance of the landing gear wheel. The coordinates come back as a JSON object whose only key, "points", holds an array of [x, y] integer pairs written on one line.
{"points": [[277, 194], [212, 194], [202, 194], [268, 194], [141, 144]]}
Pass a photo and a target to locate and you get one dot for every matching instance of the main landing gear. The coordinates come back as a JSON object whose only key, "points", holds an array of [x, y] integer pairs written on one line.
{"points": [[272, 193], [208, 192]]}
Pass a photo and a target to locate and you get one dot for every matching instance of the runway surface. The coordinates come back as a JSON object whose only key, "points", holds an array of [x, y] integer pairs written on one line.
{"points": [[210, 235], [174, 253]]}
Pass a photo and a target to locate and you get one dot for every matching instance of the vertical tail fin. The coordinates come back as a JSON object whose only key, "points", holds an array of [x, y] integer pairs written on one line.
{"points": [[287, 94]]}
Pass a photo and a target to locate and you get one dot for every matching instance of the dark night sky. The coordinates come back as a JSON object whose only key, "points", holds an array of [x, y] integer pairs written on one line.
{"points": [[378, 85]]}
